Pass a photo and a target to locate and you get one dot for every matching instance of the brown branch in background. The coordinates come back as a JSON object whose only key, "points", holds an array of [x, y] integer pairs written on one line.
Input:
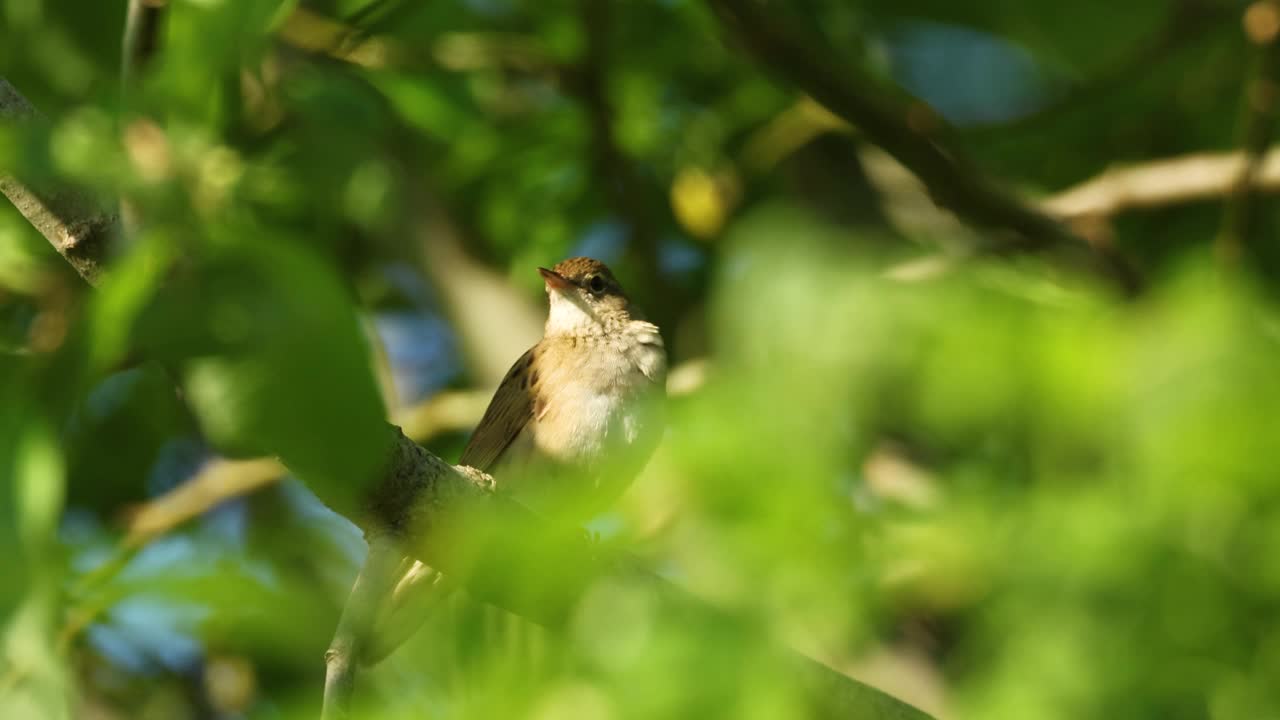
{"points": [[1262, 26], [907, 128], [457, 51], [1089, 206], [217, 482], [910, 131], [492, 321], [72, 221], [311, 32], [443, 412], [221, 480], [1163, 183]]}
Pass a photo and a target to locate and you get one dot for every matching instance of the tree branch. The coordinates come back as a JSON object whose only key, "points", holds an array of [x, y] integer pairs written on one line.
{"points": [[141, 42], [1162, 183], [347, 41], [450, 519], [341, 660], [472, 293], [419, 590], [1166, 182], [72, 221], [910, 131], [221, 479]]}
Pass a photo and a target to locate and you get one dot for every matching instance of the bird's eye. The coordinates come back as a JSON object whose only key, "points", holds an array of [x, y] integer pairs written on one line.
{"points": [[595, 284]]}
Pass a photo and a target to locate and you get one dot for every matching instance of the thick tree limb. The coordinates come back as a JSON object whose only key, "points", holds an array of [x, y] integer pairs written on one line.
{"points": [[450, 518], [909, 130], [1166, 182]]}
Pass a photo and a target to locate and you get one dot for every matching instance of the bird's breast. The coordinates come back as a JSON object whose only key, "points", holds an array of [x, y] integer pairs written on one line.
{"points": [[596, 397]]}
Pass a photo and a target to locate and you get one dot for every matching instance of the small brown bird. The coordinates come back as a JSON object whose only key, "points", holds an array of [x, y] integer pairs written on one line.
{"points": [[587, 395], [573, 420]]}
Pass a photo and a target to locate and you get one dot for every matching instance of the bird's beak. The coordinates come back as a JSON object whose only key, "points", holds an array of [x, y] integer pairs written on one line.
{"points": [[554, 280]]}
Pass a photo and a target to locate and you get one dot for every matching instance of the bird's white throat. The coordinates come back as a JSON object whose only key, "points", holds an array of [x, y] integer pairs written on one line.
{"points": [[569, 315]]}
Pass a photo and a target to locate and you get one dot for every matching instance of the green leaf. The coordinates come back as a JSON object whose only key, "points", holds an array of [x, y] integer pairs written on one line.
{"points": [[274, 362], [40, 486]]}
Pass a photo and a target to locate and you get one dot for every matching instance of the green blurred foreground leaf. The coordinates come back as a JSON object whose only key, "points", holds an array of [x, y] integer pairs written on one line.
{"points": [[272, 358]]}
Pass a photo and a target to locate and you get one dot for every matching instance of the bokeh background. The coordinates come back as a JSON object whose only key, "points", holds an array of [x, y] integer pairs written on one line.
{"points": [[956, 462]]}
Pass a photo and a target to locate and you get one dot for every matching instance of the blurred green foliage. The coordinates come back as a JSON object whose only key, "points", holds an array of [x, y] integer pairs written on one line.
{"points": [[997, 493]]}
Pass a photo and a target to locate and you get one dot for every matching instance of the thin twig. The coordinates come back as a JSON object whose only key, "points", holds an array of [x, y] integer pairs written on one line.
{"points": [[221, 480], [311, 32], [1262, 26], [515, 54], [143, 25], [342, 660], [215, 483], [143, 29], [419, 590]]}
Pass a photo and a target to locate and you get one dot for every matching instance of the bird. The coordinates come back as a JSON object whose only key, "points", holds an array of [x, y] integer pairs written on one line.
{"points": [[585, 396], [571, 423]]}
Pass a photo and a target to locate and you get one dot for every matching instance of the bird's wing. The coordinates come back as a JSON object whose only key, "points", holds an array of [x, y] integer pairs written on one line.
{"points": [[509, 411]]}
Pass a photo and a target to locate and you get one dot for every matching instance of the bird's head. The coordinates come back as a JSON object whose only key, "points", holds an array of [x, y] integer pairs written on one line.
{"points": [[585, 298]]}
